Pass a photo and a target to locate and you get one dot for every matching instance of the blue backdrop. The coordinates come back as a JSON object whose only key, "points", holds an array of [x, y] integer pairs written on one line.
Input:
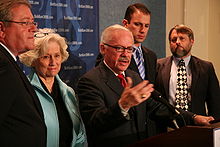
{"points": [[77, 21]]}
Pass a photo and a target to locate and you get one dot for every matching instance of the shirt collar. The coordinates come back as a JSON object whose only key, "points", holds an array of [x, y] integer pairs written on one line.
{"points": [[186, 60], [112, 70], [8, 51], [137, 48]]}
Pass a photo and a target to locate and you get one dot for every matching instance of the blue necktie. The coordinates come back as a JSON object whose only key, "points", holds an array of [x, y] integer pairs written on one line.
{"points": [[140, 63], [19, 63]]}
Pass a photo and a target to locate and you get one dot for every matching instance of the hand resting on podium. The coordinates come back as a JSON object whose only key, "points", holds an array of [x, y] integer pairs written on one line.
{"points": [[203, 120], [214, 121]]}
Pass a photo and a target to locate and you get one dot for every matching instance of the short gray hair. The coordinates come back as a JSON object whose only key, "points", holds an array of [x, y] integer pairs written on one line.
{"points": [[41, 46], [107, 33]]}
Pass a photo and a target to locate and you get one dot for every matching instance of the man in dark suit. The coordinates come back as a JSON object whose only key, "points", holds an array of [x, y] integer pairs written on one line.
{"points": [[137, 20], [21, 117], [202, 84], [114, 113]]}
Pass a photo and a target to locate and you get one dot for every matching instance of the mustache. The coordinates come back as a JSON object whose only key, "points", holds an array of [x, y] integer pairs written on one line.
{"points": [[123, 59], [178, 46]]}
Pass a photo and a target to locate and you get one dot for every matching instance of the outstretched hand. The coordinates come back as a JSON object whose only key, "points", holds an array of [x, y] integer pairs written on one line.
{"points": [[133, 96]]}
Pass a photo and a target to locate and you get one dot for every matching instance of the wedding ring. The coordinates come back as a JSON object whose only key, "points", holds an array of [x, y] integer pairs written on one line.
{"points": [[143, 96]]}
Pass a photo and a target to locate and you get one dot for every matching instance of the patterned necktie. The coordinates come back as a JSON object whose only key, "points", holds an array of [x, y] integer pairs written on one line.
{"points": [[122, 79], [140, 63], [182, 87]]}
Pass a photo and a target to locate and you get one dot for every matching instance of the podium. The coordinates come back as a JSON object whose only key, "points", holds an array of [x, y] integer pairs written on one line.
{"points": [[189, 136]]}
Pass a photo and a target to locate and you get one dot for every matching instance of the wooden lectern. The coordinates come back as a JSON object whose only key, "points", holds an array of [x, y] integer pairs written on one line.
{"points": [[189, 136]]}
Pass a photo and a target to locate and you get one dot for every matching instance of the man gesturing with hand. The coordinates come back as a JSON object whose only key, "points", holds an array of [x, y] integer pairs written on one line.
{"points": [[114, 100], [133, 96]]}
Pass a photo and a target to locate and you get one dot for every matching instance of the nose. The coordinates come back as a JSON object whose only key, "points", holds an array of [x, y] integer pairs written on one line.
{"points": [[178, 40], [52, 60], [125, 53], [143, 28], [33, 27], [36, 30]]}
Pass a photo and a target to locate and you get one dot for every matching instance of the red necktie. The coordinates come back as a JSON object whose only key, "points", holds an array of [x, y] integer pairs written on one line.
{"points": [[122, 80]]}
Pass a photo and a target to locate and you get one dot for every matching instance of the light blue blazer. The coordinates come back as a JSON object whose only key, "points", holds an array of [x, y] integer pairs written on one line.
{"points": [[50, 112]]}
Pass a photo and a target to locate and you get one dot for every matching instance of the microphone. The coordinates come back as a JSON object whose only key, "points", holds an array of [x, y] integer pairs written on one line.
{"points": [[158, 97]]}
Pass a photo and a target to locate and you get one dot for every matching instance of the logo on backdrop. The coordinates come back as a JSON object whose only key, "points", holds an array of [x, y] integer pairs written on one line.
{"points": [[77, 21]]}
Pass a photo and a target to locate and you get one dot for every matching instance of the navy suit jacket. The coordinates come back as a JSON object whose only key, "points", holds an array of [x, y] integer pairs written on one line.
{"points": [[205, 85], [21, 116]]}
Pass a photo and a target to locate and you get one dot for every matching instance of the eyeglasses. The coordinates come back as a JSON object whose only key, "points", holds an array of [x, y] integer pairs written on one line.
{"points": [[40, 34], [24, 23], [121, 49]]}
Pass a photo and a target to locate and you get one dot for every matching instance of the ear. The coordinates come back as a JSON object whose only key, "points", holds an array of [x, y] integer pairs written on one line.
{"points": [[192, 41], [125, 22], [2, 30], [102, 49]]}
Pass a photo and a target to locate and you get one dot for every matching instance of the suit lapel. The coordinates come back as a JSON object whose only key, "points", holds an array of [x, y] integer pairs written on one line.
{"points": [[166, 74], [27, 84], [110, 79], [146, 62], [195, 65], [133, 65]]}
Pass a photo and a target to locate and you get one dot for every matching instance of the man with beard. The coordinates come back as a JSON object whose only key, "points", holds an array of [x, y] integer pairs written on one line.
{"points": [[201, 90], [115, 110]]}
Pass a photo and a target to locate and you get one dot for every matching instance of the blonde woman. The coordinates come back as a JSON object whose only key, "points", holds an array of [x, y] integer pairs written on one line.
{"points": [[60, 106]]}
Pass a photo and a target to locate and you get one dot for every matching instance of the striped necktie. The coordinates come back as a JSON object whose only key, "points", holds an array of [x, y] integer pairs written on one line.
{"points": [[182, 87], [140, 63]]}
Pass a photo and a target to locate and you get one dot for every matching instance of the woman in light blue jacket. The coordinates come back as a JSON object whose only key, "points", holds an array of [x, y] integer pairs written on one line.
{"points": [[60, 106]]}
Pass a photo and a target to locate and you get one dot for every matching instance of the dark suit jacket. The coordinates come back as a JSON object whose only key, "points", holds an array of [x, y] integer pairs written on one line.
{"points": [[99, 91], [21, 117], [150, 62], [205, 85]]}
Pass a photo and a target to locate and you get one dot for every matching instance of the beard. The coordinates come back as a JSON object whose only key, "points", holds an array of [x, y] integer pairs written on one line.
{"points": [[180, 51]]}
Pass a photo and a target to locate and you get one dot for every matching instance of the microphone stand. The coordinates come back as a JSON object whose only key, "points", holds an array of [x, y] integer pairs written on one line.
{"points": [[158, 97]]}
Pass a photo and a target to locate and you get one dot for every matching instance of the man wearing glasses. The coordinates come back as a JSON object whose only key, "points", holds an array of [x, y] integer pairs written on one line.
{"points": [[21, 117], [137, 20], [113, 100]]}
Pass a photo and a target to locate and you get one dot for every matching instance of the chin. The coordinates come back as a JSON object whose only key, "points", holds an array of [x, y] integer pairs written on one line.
{"points": [[124, 68], [23, 51]]}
